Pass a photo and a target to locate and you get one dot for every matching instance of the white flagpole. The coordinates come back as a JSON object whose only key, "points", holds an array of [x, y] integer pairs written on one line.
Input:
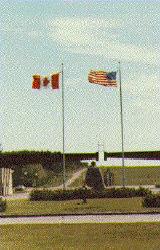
{"points": [[122, 132], [64, 164]]}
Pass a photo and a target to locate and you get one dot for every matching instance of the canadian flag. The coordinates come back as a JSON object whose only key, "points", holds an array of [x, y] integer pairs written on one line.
{"points": [[39, 81], [45, 81], [36, 84], [55, 81]]}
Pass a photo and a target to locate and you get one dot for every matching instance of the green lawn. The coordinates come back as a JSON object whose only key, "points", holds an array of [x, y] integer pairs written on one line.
{"points": [[134, 175], [81, 236], [26, 207]]}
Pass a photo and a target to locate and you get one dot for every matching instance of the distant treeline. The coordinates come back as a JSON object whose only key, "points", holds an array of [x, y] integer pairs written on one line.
{"points": [[153, 155], [46, 158]]}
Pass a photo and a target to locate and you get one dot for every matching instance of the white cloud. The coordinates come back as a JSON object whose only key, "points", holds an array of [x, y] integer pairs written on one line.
{"points": [[84, 23], [79, 31], [119, 51], [92, 36]]}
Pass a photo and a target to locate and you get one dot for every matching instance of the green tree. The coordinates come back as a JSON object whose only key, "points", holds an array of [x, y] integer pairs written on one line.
{"points": [[94, 178], [30, 175]]}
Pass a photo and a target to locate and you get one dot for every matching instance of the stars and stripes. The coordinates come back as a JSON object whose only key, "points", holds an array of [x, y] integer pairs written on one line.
{"points": [[104, 78]]}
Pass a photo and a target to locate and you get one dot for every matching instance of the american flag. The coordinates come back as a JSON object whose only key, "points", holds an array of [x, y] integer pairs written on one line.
{"points": [[103, 78]]}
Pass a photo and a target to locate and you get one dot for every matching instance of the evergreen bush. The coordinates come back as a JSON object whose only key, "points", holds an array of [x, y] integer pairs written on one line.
{"points": [[3, 205], [94, 178], [151, 200]]}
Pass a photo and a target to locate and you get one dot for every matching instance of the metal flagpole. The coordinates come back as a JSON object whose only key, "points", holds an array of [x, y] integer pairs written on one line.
{"points": [[64, 165], [122, 132]]}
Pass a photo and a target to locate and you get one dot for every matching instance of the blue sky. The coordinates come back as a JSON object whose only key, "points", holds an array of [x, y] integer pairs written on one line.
{"points": [[37, 36]]}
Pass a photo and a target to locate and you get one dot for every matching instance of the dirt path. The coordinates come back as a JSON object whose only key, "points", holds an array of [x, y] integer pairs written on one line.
{"points": [[72, 179]]}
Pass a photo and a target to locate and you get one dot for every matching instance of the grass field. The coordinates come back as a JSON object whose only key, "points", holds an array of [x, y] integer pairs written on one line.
{"points": [[26, 207], [81, 236], [134, 175]]}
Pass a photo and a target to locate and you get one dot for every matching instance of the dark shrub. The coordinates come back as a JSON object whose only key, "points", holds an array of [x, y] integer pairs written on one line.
{"points": [[126, 192], [94, 178], [151, 200], [87, 193], [143, 191], [3, 205]]}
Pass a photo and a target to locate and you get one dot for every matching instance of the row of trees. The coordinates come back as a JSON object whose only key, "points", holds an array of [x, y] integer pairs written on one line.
{"points": [[38, 175]]}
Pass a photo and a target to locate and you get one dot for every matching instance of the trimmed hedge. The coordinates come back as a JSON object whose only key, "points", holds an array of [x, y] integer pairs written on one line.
{"points": [[3, 205], [151, 200], [81, 193]]}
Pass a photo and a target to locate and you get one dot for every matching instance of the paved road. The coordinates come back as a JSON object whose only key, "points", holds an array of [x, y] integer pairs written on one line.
{"points": [[67, 219]]}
